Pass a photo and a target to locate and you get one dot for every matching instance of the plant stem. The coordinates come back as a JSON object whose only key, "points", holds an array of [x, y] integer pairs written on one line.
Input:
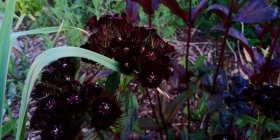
{"points": [[187, 83], [273, 45], [270, 54], [206, 124], [187, 65], [230, 125], [227, 26], [154, 111], [248, 125], [162, 117], [150, 20], [221, 60]]}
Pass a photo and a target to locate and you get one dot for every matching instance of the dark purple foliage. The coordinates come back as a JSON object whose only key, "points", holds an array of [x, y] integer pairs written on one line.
{"points": [[198, 9], [220, 10], [256, 11], [132, 11], [149, 6], [239, 36], [274, 65], [241, 93]]}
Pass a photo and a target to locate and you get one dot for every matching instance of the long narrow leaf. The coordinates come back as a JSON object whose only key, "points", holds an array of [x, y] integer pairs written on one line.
{"points": [[130, 107], [5, 51], [46, 30], [43, 60]]}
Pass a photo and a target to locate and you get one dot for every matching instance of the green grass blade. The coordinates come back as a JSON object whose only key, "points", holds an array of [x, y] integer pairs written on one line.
{"points": [[5, 51], [45, 30], [43, 60]]}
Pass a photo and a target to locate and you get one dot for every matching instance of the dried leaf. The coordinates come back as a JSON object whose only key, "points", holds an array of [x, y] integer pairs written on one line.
{"points": [[239, 36]]}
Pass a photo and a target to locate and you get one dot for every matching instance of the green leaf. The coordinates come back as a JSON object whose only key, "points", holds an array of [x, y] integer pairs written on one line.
{"points": [[5, 52], [171, 134], [131, 108], [112, 82], [9, 127], [272, 126], [46, 30], [184, 133], [20, 86], [12, 70], [243, 120], [147, 123], [43, 60], [198, 134], [173, 107], [12, 90], [199, 62]]}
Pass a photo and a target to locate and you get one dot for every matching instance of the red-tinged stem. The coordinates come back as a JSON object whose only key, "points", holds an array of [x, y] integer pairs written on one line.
{"points": [[227, 26], [150, 20], [189, 36], [187, 83], [270, 54], [188, 47], [187, 65], [221, 60], [273, 45], [207, 120]]}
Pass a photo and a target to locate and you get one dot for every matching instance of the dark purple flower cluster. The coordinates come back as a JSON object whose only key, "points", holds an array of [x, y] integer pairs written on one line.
{"points": [[241, 93], [268, 99], [265, 97], [138, 49], [63, 104]]}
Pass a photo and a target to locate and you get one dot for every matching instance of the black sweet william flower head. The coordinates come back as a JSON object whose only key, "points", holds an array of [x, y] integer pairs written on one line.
{"points": [[105, 112], [64, 107], [63, 69], [90, 91], [137, 49], [61, 130]]}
